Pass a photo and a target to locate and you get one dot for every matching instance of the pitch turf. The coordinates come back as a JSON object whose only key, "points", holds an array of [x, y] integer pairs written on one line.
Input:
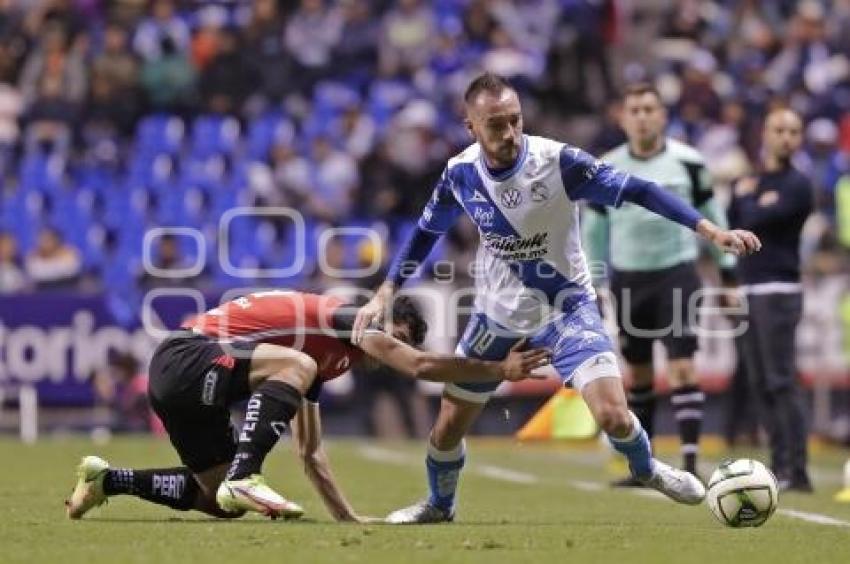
{"points": [[521, 503]]}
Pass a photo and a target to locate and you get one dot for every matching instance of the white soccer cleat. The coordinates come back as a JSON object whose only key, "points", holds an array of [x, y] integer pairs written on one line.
{"points": [[678, 485], [253, 494], [88, 493], [420, 513]]}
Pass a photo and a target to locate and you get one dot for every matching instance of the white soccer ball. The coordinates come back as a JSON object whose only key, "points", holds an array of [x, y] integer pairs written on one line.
{"points": [[742, 493]]}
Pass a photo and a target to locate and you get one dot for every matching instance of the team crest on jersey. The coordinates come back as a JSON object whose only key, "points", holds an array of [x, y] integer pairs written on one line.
{"points": [[511, 198], [539, 192]]}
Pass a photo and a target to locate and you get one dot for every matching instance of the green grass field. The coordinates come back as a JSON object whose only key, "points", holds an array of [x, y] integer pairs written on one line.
{"points": [[520, 503]]}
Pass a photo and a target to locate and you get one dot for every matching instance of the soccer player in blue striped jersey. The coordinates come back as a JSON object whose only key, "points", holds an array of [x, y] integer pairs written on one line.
{"points": [[532, 282]]}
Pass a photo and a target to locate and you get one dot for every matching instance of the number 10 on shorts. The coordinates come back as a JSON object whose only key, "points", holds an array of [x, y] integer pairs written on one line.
{"points": [[481, 340]]}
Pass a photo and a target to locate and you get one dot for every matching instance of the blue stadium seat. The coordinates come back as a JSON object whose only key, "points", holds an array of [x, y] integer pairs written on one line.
{"points": [[387, 96], [333, 97], [26, 232], [39, 171], [160, 134], [266, 131], [215, 134], [95, 248], [193, 207], [207, 172]]}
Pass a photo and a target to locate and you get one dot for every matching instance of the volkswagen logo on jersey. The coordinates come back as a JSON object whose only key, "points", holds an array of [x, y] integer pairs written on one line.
{"points": [[539, 192], [511, 198]]}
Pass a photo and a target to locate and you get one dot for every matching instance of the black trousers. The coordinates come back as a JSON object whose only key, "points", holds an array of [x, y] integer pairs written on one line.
{"points": [[768, 349]]}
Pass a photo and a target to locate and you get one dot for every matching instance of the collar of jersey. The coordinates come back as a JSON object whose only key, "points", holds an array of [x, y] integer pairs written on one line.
{"points": [[650, 157], [511, 171]]}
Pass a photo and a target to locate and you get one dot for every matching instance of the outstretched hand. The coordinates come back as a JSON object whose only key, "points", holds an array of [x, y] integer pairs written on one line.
{"points": [[519, 363], [739, 242]]}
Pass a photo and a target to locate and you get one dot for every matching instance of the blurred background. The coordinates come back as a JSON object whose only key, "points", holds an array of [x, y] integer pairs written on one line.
{"points": [[130, 130]]}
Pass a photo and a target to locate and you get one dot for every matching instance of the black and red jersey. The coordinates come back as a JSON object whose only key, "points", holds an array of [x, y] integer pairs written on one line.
{"points": [[316, 325]]}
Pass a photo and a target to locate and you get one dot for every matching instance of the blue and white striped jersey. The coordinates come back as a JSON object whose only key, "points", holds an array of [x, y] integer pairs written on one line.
{"points": [[530, 264]]}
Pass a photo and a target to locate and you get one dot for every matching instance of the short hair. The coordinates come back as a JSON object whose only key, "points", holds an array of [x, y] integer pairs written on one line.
{"points": [[778, 106], [641, 88], [486, 82], [405, 312]]}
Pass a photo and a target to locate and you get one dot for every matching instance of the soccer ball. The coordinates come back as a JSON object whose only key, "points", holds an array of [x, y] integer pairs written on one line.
{"points": [[742, 493]]}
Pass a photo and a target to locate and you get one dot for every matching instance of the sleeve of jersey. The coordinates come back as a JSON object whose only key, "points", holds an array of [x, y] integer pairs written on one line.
{"points": [[440, 213], [587, 178], [416, 249], [443, 209], [658, 200]]}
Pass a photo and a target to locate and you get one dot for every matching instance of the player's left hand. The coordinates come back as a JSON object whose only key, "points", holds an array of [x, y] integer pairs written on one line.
{"points": [[519, 363]]}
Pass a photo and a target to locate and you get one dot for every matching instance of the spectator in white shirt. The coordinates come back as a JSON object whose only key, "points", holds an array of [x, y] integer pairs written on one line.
{"points": [[53, 263]]}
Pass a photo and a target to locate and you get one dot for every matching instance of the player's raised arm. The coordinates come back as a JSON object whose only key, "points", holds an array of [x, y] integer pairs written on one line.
{"points": [[586, 178], [440, 213], [435, 367]]}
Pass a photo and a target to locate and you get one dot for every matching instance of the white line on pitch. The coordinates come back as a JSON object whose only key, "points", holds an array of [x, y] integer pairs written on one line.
{"points": [[505, 474], [817, 518], [586, 486], [813, 517], [380, 454]]}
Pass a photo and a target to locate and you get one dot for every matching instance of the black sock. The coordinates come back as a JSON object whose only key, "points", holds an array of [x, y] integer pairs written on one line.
{"points": [[642, 404], [268, 413], [688, 404], [174, 487]]}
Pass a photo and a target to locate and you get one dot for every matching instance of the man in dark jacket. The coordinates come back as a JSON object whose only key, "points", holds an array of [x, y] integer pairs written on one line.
{"points": [[774, 204]]}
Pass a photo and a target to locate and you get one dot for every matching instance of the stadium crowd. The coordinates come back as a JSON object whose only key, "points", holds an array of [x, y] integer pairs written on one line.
{"points": [[117, 116]]}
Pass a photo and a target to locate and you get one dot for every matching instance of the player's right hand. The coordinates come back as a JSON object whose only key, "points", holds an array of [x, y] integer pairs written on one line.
{"points": [[372, 312], [519, 363]]}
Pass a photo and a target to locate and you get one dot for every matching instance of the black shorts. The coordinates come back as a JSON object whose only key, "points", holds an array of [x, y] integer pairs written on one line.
{"points": [[192, 381], [654, 305]]}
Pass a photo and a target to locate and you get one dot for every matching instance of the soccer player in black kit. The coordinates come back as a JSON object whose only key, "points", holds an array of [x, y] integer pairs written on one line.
{"points": [[774, 204]]}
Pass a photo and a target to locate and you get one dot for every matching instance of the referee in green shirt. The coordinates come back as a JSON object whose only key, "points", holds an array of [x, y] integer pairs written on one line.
{"points": [[653, 274]]}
